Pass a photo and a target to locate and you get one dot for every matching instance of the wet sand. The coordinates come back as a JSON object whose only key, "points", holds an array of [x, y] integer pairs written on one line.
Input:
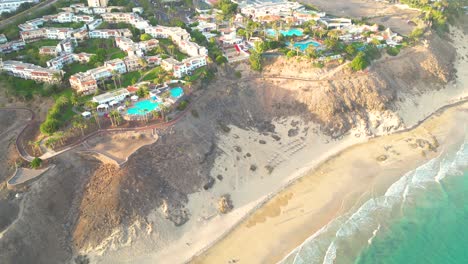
{"points": [[333, 188]]}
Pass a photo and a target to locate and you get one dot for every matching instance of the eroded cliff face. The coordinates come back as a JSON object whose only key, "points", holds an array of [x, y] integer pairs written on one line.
{"points": [[343, 99], [164, 174]]}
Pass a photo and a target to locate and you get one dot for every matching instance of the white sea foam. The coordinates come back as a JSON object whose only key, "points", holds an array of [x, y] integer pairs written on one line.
{"points": [[453, 165], [363, 220], [374, 234], [330, 256]]}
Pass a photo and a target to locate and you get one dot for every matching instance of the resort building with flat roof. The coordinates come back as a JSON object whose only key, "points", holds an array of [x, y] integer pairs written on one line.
{"points": [[116, 95], [10, 6], [30, 71], [12, 46]]}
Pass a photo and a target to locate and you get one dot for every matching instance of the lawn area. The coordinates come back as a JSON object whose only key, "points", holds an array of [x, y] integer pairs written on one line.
{"points": [[21, 88], [153, 74], [130, 78], [75, 67], [118, 54], [175, 52], [93, 45], [197, 74], [30, 53]]}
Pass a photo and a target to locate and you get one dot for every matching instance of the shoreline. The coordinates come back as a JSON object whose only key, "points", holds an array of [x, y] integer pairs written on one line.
{"points": [[206, 230], [201, 257], [452, 96], [304, 171]]}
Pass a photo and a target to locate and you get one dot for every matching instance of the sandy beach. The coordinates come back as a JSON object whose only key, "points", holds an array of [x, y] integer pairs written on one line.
{"points": [[340, 183], [284, 190], [343, 181]]}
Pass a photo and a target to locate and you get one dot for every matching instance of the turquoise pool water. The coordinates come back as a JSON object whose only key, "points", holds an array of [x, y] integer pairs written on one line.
{"points": [[303, 45], [143, 107], [177, 92], [287, 33]]}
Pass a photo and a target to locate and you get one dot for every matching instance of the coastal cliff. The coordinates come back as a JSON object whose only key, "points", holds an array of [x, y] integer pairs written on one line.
{"points": [[160, 177]]}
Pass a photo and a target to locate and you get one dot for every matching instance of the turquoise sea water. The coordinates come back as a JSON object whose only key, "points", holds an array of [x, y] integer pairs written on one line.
{"points": [[433, 229], [421, 218]]}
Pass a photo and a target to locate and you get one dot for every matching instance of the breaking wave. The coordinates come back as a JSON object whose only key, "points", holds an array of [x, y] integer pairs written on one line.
{"points": [[344, 237]]}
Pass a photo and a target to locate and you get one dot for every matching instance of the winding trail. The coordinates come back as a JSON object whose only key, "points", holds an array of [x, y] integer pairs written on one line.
{"points": [[25, 155]]}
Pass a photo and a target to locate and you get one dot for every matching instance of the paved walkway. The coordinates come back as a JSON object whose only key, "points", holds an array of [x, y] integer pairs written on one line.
{"points": [[23, 175], [50, 154]]}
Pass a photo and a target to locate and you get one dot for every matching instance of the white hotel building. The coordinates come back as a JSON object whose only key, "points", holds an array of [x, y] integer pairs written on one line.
{"points": [[12, 5], [180, 37], [110, 33], [181, 68], [31, 71]]}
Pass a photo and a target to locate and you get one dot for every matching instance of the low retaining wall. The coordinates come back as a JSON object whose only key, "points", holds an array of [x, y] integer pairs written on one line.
{"points": [[24, 176]]}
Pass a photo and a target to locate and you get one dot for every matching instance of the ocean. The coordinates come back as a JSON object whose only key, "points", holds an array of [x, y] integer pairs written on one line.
{"points": [[421, 218]]}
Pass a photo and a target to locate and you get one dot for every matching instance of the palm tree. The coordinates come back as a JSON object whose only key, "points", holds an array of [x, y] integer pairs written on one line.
{"points": [[171, 49], [36, 145], [291, 44], [114, 77], [96, 118], [163, 109], [74, 100], [143, 63], [333, 34], [165, 95], [56, 76], [60, 136], [155, 114], [50, 142], [79, 123], [188, 84], [275, 28], [115, 117]]}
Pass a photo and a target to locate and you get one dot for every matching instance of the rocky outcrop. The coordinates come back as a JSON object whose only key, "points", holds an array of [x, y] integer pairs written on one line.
{"points": [[344, 99], [161, 176]]}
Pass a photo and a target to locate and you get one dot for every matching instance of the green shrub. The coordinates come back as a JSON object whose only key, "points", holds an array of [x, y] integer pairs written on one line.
{"points": [[35, 163], [291, 54], [360, 62], [49, 126], [393, 51], [255, 61], [182, 105]]}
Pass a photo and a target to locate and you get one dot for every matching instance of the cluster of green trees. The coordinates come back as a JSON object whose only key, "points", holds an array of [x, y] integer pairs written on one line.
{"points": [[227, 7], [364, 58], [26, 89], [438, 13], [256, 56], [214, 52], [55, 116], [21, 8]]}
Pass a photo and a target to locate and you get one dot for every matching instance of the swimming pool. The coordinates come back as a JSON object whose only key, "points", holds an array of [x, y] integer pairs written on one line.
{"points": [[177, 92], [303, 45], [142, 107], [287, 33]]}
